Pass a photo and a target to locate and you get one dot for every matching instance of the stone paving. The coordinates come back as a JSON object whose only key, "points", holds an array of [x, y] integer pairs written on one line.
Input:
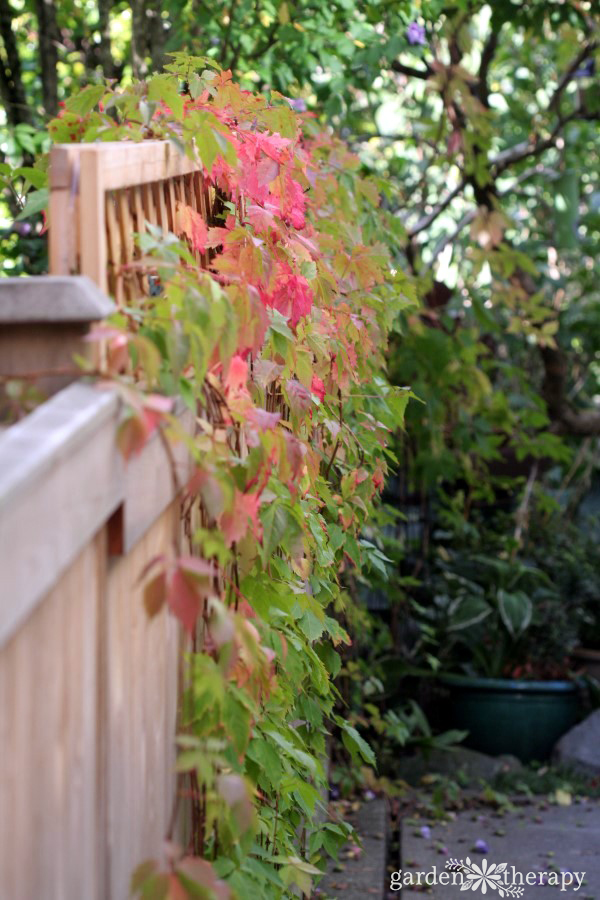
{"points": [[362, 876], [549, 842]]}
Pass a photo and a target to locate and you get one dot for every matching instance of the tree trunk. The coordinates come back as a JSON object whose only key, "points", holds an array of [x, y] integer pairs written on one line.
{"points": [[148, 37], [139, 38], [156, 30], [105, 50], [11, 82], [49, 38]]}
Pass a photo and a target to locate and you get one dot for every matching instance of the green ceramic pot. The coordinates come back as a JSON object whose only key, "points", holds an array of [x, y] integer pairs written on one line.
{"points": [[523, 718]]}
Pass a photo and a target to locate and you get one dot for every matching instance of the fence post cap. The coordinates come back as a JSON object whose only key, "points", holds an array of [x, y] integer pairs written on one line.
{"points": [[52, 299]]}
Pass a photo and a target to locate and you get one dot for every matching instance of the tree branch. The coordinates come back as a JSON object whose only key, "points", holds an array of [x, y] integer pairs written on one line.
{"points": [[451, 236], [427, 220], [570, 72], [521, 151], [566, 419], [410, 71], [487, 55]]}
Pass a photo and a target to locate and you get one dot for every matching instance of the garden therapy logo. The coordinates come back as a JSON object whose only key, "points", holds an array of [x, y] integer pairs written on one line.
{"points": [[483, 877], [493, 878]]}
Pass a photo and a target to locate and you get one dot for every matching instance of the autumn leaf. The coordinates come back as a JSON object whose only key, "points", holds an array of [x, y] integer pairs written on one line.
{"points": [[184, 598], [194, 871], [132, 434], [191, 224], [299, 397], [155, 594], [237, 374], [235, 523]]}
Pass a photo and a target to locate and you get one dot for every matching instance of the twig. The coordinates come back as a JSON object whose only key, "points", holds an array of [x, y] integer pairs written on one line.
{"points": [[427, 220], [448, 238], [521, 516]]}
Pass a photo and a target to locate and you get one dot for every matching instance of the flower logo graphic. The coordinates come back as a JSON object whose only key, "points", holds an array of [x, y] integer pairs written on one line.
{"points": [[484, 876]]}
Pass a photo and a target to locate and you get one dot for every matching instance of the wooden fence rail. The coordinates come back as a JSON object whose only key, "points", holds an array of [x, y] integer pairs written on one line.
{"points": [[88, 685]]}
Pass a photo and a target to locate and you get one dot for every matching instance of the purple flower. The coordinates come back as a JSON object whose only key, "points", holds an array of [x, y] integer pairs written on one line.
{"points": [[298, 104], [426, 832], [586, 70], [415, 33], [369, 795], [481, 847]]}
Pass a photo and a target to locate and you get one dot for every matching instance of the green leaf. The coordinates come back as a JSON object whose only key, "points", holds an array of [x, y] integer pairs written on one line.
{"points": [[468, 612], [36, 202], [515, 609], [34, 177], [84, 102], [275, 522], [357, 746], [165, 88]]}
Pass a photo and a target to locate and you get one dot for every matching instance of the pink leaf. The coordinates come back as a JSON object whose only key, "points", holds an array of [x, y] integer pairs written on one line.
{"points": [[237, 375], [262, 419], [267, 171], [298, 395]]}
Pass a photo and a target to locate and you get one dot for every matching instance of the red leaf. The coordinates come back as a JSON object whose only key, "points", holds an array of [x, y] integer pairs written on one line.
{"points": [[184, 600], [317, 388], [156, 407], [132, 435], [292, 297], [192, 225], [234, 524]]}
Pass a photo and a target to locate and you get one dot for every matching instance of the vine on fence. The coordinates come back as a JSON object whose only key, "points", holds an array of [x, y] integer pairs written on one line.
{"points": [[277, 345]]}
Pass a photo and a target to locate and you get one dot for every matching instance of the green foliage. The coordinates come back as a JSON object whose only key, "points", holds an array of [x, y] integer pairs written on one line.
{"points": [[272, 345], [486, 612]]}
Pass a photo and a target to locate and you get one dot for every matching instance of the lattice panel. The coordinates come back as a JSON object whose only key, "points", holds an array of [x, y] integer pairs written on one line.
{"points": [[127, 212]]}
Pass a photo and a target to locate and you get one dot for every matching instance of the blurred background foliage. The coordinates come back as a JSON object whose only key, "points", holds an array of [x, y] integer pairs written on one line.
{"points": [[479, 122]]}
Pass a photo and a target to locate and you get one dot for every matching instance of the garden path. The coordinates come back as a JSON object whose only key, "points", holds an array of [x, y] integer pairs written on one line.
{"points": [[548, 840]]}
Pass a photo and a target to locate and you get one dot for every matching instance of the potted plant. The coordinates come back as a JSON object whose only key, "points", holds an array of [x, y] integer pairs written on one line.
{"points": [[504, 635]]}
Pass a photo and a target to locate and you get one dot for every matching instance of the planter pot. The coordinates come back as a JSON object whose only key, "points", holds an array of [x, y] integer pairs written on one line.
{"points": [[589, 661], [523, 718]]}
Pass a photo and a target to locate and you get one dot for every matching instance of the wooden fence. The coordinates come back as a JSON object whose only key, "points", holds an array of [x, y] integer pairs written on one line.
{"points": [[88, 685], [103, 194]]}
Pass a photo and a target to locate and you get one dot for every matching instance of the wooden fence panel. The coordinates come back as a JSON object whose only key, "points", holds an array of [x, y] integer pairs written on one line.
{"points": [[89, 686], [49, 827], [141, 711]]}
